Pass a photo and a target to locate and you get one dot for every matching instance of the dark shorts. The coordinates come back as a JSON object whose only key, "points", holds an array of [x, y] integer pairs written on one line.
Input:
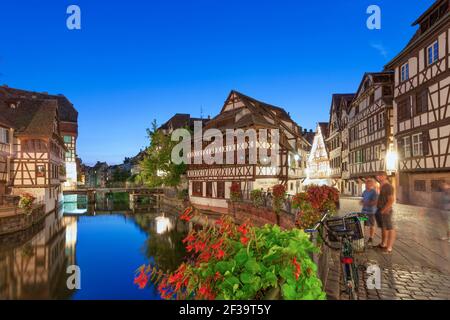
{"points": [[384, 221], [370, 222]]}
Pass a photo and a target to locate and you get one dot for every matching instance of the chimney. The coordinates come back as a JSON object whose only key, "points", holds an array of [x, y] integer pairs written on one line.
{"points": [[310, 130], [209, 117]]}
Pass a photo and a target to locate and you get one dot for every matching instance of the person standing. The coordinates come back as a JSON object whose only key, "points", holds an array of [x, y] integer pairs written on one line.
{"points": [[369, 203], [384, 215], [446, 208]]}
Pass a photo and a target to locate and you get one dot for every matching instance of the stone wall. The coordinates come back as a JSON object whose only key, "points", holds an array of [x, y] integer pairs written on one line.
{"points": [[260, 216], [21, 221]]}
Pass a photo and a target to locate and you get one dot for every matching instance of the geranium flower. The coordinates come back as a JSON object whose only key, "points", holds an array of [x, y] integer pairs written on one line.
{"points": [[298, 268], [244, 240], [141, 280], [220, 254]]}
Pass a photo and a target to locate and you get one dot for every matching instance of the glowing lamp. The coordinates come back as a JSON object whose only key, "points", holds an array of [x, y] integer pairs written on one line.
{"points": [[391, 161]]}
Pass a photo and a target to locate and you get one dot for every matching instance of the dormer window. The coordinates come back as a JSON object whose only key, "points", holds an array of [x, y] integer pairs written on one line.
{"points": [[405, 72], [433, 53]]}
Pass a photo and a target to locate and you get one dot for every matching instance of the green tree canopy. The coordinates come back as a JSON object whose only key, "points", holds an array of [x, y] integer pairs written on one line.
{"points": [[157, 167]]}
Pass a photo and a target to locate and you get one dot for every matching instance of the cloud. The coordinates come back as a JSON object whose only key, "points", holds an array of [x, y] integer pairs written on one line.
{"points": [[380, 48]]}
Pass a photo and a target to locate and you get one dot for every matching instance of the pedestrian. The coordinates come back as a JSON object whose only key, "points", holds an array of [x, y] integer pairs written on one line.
{"points": [[446, 208], [384, 214], [369, 203]]}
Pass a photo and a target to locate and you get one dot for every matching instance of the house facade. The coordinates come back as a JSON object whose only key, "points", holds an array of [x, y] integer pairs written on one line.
{"points": [[209, 184], [33, 148], [370, 129], [421, 108], [334, 141], [318, 171], [68, 122]]}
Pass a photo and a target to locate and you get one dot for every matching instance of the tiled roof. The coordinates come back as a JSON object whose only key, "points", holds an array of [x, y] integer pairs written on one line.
{"points": [[66, 110], [29, 116]]}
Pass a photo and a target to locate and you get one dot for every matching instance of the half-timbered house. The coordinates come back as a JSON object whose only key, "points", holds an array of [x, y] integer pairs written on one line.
{"points": [[5, 153], [68, 122], [318, 165], [421, 108], [36, 149], [370, 128], [209, 185], [334, 139]]}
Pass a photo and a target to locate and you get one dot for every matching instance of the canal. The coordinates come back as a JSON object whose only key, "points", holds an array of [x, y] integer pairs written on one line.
{"points": [[108, 241]]}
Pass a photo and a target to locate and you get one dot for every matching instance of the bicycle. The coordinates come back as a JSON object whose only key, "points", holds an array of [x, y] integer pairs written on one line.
{"points": [[344, 230]]}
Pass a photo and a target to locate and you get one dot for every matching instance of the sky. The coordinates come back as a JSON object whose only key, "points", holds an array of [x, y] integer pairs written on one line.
{"points": [[134, 61]]}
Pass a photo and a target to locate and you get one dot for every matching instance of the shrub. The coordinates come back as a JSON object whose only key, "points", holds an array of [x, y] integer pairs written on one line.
{"points": [[235, 192], [26, 202], [240, 263], [257, 198], [279, 196]]}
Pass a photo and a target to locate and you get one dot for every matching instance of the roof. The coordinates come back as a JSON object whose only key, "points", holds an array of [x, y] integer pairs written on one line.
{"points": [[428, 11], [323, 128], [30, 116], [419, 35], [337, 103], [66, 110]]}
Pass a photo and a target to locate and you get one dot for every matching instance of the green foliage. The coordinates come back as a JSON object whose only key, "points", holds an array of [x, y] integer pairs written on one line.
{"points": [[257, 198], [157, 167], [228, 262], [120, 175]]}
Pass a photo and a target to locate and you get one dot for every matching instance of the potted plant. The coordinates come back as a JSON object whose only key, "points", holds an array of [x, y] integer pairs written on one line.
{"points": [[231, 262], [26, 202]]}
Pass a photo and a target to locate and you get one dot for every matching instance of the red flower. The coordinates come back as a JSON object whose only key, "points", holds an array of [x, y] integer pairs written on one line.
{"points": [[189, 238], [243, 229], [220, 254], [244, 240], [298, 268], [217, 276], [187, 214], [217, 245], [141, 280]]}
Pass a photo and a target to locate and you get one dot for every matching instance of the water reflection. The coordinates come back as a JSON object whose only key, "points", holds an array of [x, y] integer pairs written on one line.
{"points": [[107, 242]]}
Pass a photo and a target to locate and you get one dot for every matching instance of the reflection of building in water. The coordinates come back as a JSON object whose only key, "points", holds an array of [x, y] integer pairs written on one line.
{"points": [[71, 224], [35, 268]]}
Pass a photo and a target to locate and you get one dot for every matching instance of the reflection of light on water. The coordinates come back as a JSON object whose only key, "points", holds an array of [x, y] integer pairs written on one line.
{"points": [[163, 225], [71, 231]]}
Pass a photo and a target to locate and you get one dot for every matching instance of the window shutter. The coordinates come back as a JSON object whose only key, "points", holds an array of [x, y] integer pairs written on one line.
{"points": [[426, 143]]}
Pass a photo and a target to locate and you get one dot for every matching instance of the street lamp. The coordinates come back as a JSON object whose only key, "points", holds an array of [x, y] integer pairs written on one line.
{"points": [[391, 160]]}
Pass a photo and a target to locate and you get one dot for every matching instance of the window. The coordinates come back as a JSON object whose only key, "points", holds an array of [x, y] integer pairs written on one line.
{"points": [[422, 102], [405, 72], [404, 109], [221, 190], [209, 189], [407, 146], [433, 53], [40, 171], [4, 135], [381, 120], [417, 145], [67, 139], [436, 185], [197, 189], [371, 125], [420, 186]]}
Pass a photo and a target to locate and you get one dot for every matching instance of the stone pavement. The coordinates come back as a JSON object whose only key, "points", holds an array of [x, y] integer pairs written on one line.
{"points": [[419, 267]]}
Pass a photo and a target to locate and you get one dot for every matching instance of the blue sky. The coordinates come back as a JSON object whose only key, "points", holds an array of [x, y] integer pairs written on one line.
{"points": [[135, 60]]}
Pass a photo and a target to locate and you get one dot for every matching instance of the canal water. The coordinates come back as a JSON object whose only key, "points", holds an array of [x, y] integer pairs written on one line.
{"points": [[107, 241]]}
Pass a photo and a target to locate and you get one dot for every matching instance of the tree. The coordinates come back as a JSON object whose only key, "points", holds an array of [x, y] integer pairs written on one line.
{"points": [[157, 166]]}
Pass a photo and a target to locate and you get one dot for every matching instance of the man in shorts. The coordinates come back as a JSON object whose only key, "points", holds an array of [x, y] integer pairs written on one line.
{"points": [[384, 214], [369, 203]]}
